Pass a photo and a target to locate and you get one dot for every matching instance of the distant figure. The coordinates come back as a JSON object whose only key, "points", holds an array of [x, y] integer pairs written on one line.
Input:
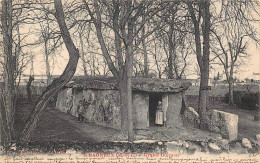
{"points": [[81, 111], [159, 114]]}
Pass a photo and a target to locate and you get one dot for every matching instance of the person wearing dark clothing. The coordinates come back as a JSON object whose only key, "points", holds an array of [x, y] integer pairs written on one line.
{"points": [[80, 111]]}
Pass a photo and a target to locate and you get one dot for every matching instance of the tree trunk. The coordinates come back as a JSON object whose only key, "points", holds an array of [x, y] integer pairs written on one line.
{"points": [[231, 92], [7, 110], [203, 94], [82, 55], [5, 134], [129, 69], [17, 54], [174, 55], [122, 78], [203, 100], [48, 73], [145, 54], [57, 84], [170, 59], [28, 88], [123, 100], [124, 72]]}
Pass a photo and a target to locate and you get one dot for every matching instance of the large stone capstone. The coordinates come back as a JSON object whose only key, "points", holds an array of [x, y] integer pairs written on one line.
{"points": [[224, 123]]}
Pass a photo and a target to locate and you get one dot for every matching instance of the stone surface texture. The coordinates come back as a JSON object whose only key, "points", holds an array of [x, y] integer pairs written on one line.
{"points": [[246, 143], [173, 115], [102, 106], [141, 110], [138, 84], [191, 116], [214, 147], [224, 123]]}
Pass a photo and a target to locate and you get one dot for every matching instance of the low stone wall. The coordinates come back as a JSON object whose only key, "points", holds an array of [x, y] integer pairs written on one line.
{"points": [[215, 146], [148, 147]]}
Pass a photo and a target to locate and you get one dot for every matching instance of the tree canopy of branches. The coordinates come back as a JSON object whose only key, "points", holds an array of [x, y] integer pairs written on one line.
{"points": [[58, 83], [122, 38], [122, 18], [233, 29]]}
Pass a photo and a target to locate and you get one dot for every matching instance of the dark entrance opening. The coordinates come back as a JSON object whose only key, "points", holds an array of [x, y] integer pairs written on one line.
{"points": [[154, 98]]}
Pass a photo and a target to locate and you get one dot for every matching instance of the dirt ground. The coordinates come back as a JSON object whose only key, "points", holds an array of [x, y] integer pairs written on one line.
{"points": [[55, 125], [247, 127], [58, 126], [50, 126]]}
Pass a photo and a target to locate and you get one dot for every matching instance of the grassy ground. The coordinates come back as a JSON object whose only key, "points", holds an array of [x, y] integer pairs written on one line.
{"points": [[247, 127]]}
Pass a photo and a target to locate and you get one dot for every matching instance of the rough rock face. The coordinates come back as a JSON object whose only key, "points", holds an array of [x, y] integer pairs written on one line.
{"points": [[191, 116], [214, 147], [258, 138], [246, 143], [141, 146], [141, 84], [210, 147], [173, 146], [174, 109], [224, 144], [220, 122], [224, 123]]}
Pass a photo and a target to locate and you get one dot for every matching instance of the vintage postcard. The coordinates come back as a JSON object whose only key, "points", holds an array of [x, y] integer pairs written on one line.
{"points": [[129, 81]]}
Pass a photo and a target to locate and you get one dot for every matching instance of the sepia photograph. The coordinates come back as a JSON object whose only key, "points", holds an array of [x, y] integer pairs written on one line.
{"points": [[129, 81]]}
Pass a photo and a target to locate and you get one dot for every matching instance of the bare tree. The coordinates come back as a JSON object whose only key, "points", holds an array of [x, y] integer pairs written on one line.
{"points": [[49, 37], [200, 17], [123, 16], [82, 56], [58, 83], [22, 16], [146, 66], [174, 38], [15, 59], [160, 56], [7, 111], [232, 35], [126, 71]]}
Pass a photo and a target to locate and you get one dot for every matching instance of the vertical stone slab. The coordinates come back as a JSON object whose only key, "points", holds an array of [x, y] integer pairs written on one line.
{"points": [[173, 111], [107, 108], [61, 100], [77, 95], [89, 96], [140, 110], [165, 104], [69, 100], [225, 123]]}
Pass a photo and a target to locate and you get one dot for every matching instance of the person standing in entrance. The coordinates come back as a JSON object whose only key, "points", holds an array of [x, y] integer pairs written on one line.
{"points": [[80, 111], [159, 114]]}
